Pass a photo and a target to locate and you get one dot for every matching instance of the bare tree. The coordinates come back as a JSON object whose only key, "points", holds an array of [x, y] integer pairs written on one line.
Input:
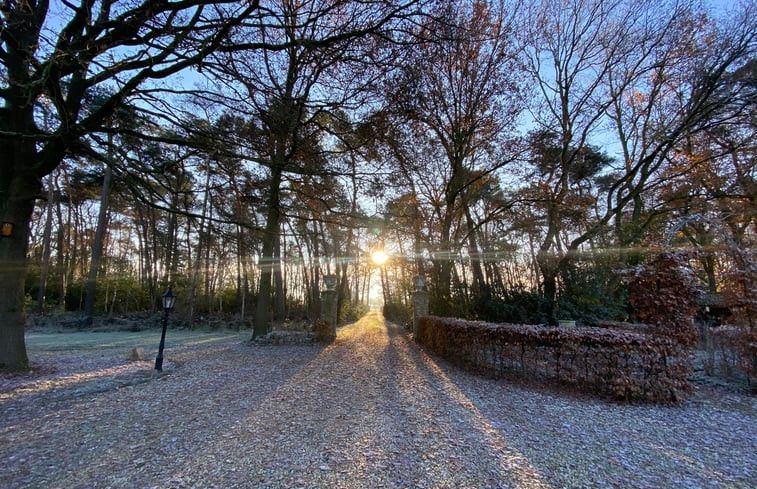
{"points": [[460, 96], [61, 55], [591, 61], [293, 90]]}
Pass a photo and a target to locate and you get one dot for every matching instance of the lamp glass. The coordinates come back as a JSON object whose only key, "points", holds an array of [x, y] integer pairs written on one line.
{"points": [[168, 299], [7, 230]]}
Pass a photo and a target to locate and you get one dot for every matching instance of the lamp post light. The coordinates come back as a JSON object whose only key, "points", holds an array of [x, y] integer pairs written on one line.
{"points": [[168, 300], [7, 229]]}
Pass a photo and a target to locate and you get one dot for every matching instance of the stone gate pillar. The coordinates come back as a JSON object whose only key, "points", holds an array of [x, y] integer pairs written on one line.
{"points": [[420, 302], [327, 330]]}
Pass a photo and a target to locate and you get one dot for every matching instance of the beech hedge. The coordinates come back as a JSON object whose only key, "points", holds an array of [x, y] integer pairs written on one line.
{"points": [[622, 364]]}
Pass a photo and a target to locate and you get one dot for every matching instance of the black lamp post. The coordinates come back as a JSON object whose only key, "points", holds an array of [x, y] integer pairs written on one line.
{"points": [[168, 300]]}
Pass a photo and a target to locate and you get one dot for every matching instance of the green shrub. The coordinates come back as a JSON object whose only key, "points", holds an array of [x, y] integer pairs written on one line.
{"points": [[518, 306], [74, 299], [398, 312], [350, 311], [592, 290]]}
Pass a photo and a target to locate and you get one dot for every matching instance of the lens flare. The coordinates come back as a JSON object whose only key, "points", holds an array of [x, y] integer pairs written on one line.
{"points": [[379, 257]]}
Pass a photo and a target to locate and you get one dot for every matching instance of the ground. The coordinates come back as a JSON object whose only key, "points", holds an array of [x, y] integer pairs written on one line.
{"points": [[370, 410]]}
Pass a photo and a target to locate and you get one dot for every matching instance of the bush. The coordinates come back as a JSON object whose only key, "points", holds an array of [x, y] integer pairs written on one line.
{"points": [[622, 364], [74, 299], [350, 311], [663, 293], [516, 306], [748, 353], [398, 312], [592, 290], [731, 348]]}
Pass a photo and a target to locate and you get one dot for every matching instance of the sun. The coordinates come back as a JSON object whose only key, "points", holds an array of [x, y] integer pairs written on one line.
{"points": [[379, 257]]}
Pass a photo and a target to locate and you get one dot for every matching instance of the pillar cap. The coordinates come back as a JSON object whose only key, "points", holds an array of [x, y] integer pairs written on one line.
{"points": [[330, 282]]}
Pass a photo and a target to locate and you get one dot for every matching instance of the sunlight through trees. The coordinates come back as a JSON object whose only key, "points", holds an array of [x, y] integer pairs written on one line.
{"points": [[516, 154]]}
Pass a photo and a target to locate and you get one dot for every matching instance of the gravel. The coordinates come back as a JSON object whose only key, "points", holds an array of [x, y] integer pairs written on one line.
{"points": [[370, 410]]}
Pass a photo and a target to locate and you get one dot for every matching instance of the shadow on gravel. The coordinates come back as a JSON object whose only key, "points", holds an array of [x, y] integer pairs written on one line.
{"points": [[97, 426], [370, 410], [573, 440], [450, 435]]}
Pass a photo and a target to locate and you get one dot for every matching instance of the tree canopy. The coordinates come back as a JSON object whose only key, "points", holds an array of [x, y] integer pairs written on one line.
{"points": [[517, 154]]}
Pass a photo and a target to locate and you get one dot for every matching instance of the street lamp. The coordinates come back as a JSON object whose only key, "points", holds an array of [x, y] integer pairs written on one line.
{"points": [[168, 300]]}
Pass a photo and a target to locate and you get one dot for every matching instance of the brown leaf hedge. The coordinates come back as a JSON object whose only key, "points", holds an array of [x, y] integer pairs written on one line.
{"points": [[621, 364]]}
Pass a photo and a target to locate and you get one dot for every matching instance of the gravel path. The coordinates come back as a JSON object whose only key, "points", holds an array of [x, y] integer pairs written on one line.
{"points": [[370, 410]]}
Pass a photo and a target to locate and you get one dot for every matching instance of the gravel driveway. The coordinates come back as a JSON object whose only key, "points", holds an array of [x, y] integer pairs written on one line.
{"points": [[371, 410]]}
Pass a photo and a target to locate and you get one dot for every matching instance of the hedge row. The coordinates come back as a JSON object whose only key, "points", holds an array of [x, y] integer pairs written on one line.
{"points": [[730, 349], [622, 364]]}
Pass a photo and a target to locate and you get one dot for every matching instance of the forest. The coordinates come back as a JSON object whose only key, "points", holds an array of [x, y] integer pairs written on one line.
{"points": [[524, 157]]}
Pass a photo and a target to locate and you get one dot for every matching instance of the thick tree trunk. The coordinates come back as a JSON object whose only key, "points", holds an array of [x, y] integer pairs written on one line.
{"points": [[198, 256], [61, 261], [441, 297], [549, 269], [479, 283], [244, 292], [313, 290], [441, 290], [207, 292], [170, 251], [279, 283]]}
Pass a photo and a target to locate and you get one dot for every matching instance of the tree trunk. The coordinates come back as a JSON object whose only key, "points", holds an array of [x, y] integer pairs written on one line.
{"points": [[279, 283], [270, 235], [479, 283], [16, 207], [207, 293], [244, 292], [46, 247], [169, 252], [441, 297], [384, 285], [61, 261], [198, 255], [548, 268], [97, 247]]}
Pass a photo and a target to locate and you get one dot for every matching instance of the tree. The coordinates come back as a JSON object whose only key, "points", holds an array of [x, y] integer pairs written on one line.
{"points": [[664, 294], [562, 199], [591, 61], [125, 117], [293, 90], [459, 95], [680, 85], [60, 56]]}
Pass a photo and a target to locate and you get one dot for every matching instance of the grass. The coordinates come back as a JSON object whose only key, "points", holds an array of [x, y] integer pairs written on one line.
{"points": [[86, 340]]}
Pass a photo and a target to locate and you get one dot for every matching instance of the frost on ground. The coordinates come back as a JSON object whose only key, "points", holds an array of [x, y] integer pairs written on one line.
{"points": [[370, 410]]}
